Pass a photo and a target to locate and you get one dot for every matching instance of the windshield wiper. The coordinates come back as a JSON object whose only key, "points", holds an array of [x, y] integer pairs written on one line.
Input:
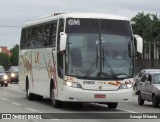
{"points": [[105, 62], [95, 62], [89, 71], [115, 75]]}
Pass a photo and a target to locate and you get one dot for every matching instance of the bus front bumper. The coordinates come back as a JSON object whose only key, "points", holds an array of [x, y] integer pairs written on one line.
{"points": [[71, 94]]}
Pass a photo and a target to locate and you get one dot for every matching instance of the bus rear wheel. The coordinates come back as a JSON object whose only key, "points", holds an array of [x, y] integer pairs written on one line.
{"points": [[112, 105], [55, 103], [29, 96]]}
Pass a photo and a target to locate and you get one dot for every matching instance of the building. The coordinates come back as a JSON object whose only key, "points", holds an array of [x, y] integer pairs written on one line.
{"points": [[150, 57], [5, 50], [151, 50]]}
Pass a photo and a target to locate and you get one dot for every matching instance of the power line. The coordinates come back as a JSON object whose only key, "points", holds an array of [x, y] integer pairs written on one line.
{"points": [[9, 26]]}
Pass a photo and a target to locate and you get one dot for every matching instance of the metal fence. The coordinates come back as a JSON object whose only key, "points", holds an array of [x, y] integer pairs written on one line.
{"points": [[146, 64]]}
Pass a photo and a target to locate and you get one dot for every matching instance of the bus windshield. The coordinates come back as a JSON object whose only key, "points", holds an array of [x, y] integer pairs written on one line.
{"points": [[99, 46]]}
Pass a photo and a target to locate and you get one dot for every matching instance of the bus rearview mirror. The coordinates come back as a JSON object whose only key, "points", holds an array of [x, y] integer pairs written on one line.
{"points": [[63, 40], [139, 43]]}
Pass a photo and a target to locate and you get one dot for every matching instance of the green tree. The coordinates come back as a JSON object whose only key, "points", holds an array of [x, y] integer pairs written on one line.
{"points": [[155, 27], [141, 25], [147, 26], [14, 55], [4, 60]]}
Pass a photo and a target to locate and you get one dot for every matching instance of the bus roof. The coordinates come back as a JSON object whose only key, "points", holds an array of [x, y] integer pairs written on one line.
{"points": [[55, 16]]}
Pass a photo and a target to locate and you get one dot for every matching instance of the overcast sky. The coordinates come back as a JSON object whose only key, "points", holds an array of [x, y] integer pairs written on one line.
{"points": [[17, 12]]}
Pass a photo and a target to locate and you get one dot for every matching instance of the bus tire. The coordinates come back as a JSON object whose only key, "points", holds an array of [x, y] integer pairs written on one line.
{"points": [[39, 97], [55, 103], [112, 105], [29, 96]]}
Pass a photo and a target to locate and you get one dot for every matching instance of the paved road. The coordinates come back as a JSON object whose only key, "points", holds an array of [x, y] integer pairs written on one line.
{"points": [[12, 100]]}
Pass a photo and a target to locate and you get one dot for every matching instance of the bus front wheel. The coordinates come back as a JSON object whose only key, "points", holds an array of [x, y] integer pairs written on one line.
{"points": [[55, 103]]}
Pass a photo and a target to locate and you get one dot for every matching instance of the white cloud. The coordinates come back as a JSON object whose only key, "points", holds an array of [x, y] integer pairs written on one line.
{"points": [[16, 12]]}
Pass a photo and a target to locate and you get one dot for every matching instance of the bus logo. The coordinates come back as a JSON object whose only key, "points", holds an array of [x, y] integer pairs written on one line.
{"points": [[74, 22]]}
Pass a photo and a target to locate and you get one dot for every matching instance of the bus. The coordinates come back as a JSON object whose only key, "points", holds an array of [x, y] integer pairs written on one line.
{"points": [[78, 57]]}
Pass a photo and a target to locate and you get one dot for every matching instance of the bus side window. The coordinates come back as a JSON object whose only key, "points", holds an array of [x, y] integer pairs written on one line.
{"points": [[33, 40], [46, 35], [53, 33], [59, 54], [60, 29], [26, 38], [22, 44], [40, 36], [29, 38]]}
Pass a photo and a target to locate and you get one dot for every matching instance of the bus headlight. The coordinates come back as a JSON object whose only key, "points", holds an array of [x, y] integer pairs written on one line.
{"points": [[73, 84], [13, 75], [5, 77], [125, 86]]}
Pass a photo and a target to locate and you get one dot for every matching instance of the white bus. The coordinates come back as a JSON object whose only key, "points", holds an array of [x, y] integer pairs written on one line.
{"points": [[78, 57]]}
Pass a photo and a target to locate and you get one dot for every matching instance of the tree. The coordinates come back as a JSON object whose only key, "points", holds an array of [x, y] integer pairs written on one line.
{"points": [[142, 23], [4, 60], [155, 27], [14, 55], [147, 26]]}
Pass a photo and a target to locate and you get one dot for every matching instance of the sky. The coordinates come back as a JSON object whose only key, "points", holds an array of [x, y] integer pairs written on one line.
{"points": [[14, 13]]}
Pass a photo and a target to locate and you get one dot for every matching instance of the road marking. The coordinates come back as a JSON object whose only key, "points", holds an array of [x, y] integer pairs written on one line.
{"points": [[15, 86], [12, 85], [55, 120], [17, 104], [31, 109], [5, 99], [127, 110]]}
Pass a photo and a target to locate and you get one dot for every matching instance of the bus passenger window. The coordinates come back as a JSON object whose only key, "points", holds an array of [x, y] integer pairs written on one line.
{"points": [[60, 29], [46, 34], [59, 54], [53, 33], [29, 37], [33, 37], [40, 36], [23, 38]]}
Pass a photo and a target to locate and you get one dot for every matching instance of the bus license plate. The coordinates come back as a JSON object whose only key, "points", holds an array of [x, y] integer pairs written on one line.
{"points": [[99, 96]]}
